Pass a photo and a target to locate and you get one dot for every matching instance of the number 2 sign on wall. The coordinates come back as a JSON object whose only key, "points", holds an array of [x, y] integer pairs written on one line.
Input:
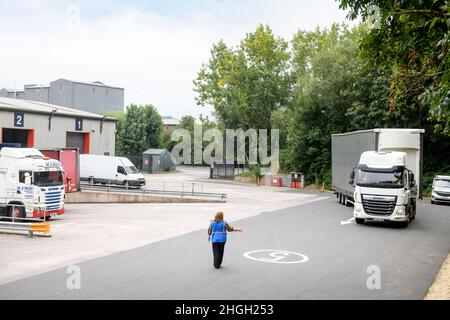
{"points": [[19, 119]]}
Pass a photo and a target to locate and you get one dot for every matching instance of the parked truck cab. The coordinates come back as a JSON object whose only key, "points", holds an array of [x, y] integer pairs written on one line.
{"points": [[385, 189], [31, 185]]}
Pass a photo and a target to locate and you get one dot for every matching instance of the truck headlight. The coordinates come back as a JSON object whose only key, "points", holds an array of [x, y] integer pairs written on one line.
{"points": [[358, 197], [401, 212]]}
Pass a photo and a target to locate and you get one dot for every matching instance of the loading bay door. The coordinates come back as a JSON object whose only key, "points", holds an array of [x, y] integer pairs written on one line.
{"points": [[78, 140], [23, 136]]}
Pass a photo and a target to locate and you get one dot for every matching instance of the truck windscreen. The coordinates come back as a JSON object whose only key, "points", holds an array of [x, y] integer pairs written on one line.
{"points": [[48, 178], [380, 179]]}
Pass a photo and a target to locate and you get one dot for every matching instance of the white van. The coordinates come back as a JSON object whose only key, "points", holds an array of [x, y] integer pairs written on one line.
{"points": [[441, 189], [110, 170]]}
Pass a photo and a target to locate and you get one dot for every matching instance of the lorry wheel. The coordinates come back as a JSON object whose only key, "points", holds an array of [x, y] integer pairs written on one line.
{"points": [[16, 212], [359, 221], [340, 198], [433, 202]]}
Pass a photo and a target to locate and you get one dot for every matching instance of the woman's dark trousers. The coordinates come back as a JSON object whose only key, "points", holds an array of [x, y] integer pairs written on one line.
{"points": [[218, 249]]}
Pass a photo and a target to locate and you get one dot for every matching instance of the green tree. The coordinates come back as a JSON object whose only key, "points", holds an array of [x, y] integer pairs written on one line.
{"points": [[246, 84], [330, 96], [412, 41], [154, 126], [142, 129]]}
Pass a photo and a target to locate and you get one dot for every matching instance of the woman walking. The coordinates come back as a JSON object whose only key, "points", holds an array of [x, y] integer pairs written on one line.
{"points": [[217, 233]]}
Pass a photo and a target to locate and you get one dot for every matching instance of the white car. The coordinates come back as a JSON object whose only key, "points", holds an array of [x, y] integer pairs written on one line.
{"points": [[441, 189]]}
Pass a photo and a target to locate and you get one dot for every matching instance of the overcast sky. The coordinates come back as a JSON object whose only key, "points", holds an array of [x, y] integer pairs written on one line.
{"points": [[153, 49]]}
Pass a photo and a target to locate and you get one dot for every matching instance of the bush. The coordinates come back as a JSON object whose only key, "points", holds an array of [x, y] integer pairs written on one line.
{"points": [[246, 174], [256, 171]]}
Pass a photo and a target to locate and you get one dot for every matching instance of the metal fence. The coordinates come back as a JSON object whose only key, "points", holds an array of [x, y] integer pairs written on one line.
{"points": [[181, 189], [14, 219], [137, 161], [225, 171]]}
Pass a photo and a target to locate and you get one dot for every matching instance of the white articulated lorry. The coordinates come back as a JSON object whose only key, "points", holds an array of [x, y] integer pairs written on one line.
{"points": [[31, 185], [380, 172]]}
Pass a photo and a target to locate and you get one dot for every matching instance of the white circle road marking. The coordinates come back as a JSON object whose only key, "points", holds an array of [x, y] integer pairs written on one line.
{"points": [[276, 256]]}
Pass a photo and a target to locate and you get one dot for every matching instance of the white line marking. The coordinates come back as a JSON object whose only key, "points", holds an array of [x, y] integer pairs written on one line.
{"points": [[349, 221]]}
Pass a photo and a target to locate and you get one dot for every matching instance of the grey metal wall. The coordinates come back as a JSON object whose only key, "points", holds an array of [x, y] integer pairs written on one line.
{"points": [[346, 150], [61, 93], [80, 96], [37, 94], [100, 143], [166, 163], [97, 99], [6, 94]]}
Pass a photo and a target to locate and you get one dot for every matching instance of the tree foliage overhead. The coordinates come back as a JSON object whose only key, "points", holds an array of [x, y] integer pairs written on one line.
{"points": [[411, 40]]}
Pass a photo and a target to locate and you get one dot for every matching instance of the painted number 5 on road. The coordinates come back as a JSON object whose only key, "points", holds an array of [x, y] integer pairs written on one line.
{"points": [[276, 256]]}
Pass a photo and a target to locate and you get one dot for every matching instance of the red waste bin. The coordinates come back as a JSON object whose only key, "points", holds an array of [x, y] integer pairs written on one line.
{"points": [[277, 182]]}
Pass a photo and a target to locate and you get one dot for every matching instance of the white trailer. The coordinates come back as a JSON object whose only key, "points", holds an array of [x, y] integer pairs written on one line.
{"points": [[110, 170], [31, 185]]}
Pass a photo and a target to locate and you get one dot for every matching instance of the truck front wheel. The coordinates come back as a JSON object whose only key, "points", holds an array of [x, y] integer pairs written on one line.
{"points": [[359, 221]]}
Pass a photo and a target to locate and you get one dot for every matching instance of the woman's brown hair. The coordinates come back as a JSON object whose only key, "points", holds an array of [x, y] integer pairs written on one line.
{"points": [[219, 216]]}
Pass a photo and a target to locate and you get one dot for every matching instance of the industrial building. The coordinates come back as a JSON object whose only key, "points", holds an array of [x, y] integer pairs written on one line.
{"points": [[46, 126], [12, 93], [170, 123], [95, 97]]}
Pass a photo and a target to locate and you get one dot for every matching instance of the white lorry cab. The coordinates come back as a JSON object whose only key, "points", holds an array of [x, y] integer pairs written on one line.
{"points": [[31, 185], [385, 189], [110, 170]]}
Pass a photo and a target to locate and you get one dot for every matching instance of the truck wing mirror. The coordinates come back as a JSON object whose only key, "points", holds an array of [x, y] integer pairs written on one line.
{"points": [[352, 177]]}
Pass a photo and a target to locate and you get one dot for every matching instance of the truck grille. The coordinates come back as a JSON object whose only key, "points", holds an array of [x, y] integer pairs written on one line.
{"points": [[443, 194], [53, 199], [379, 205]]}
